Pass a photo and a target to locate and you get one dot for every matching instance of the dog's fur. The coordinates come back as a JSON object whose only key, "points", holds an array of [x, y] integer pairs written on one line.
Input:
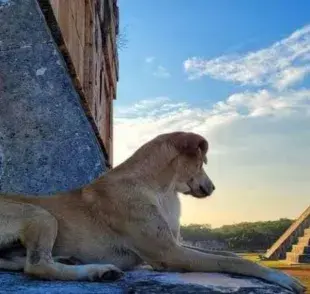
{"points": [[128, 216]]}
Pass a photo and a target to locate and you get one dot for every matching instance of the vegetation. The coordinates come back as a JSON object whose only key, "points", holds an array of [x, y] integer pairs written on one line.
{"points": [[249, 237]]}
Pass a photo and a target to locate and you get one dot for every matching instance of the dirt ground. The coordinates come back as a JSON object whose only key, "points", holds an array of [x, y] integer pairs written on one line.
{"points": [[303, 275], [300, 271]]}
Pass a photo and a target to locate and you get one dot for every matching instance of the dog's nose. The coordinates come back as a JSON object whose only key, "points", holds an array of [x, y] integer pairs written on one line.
{"points": [[207, 190], [204, 190]]}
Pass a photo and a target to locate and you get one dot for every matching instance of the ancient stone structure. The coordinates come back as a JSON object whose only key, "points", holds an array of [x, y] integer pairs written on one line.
{"points": [[300, 252], [299, 234], [208, 244], [89, 29], [57, 84]]}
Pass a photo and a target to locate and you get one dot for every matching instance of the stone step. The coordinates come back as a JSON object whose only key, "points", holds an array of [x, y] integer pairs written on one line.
{"points": [[304, 241], [297, 258], [307, 232], [304, 258], [301, 249]]}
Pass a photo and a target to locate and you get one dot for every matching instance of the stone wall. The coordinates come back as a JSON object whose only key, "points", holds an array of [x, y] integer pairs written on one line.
{"points": [[47, 143], [208, 244], [89, 29]]}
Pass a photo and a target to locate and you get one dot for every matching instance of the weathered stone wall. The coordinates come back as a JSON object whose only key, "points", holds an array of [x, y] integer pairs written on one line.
{"points": [[89, 29], [209, 244], [46, 141]]}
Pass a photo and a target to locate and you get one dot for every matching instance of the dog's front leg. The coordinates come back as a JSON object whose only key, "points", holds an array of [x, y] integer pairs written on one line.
{"points": [[185, 259], [156, 244]]}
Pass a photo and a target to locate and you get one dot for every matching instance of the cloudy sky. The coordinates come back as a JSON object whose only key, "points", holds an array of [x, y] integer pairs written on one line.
{"points": [[237, 73]]}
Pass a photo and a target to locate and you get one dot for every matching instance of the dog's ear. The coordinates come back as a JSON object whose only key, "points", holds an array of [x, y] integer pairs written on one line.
{"points": [[189, 143]]}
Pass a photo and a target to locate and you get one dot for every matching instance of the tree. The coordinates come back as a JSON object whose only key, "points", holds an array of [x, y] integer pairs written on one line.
{"points": [[247, 236]]}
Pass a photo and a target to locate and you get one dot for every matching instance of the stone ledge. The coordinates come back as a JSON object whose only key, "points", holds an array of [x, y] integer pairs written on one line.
{"points": [[147, 282]]}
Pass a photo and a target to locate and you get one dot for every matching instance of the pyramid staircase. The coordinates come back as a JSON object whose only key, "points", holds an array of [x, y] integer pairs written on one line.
{"points": [[301, 251], [298, 233]]}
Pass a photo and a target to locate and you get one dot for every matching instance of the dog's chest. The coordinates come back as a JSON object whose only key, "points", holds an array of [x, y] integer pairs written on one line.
{"points": [[171, 210]]}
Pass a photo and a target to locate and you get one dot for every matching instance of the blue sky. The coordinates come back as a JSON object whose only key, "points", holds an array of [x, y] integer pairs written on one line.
{"points": [[237, 73]]}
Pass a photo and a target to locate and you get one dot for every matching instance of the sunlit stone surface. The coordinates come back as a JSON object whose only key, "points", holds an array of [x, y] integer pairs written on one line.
{"points": [[144, 282]]}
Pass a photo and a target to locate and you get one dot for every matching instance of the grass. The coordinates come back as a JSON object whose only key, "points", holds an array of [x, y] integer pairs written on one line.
{"points": [[300, 271]]}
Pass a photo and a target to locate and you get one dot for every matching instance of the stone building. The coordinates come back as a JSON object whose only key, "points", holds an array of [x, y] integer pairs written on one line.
{"points": [[89, 29], [58, 77], [294, 244], [207, 244]]}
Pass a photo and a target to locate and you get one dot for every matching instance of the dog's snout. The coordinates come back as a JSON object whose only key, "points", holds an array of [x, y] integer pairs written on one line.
{"points": [[207, 189], [204, 190]]}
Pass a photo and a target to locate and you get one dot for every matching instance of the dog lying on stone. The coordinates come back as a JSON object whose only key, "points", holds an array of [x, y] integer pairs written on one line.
{"points": [[128, 216]]}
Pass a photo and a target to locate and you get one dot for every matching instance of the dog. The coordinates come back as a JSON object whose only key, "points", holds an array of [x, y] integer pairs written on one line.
{"points": [[127, 217]]}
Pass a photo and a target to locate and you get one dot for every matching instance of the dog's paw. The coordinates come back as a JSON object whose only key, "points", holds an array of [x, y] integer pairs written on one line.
{"points": [[286, 281], [105, 272]]}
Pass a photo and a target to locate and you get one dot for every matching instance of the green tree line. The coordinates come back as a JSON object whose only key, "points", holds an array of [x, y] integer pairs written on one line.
{"points": [[246, 236]]}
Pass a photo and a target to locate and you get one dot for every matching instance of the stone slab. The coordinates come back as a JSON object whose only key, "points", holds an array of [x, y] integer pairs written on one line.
{"points": [[144, 282], [46, 141]]}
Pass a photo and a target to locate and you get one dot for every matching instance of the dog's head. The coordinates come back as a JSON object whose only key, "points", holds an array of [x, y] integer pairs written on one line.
{"points": [[192, 154]]}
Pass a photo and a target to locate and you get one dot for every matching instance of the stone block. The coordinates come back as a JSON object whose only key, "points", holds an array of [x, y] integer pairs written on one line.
{"points": [[46, 141], [144, 282]]}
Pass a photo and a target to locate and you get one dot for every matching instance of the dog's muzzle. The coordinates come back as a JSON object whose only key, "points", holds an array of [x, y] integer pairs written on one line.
{"points": [[202, 190], [207, 191]]}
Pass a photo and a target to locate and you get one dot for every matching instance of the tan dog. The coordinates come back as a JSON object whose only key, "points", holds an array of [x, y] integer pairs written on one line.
{"points": [[128, 216]]}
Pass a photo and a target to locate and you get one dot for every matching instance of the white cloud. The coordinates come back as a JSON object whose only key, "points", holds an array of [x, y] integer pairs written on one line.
{"points": [[150, 117], [290, 76], [264, 102], [281, 65], [149, 108], [161, 72], [149, 59]]}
